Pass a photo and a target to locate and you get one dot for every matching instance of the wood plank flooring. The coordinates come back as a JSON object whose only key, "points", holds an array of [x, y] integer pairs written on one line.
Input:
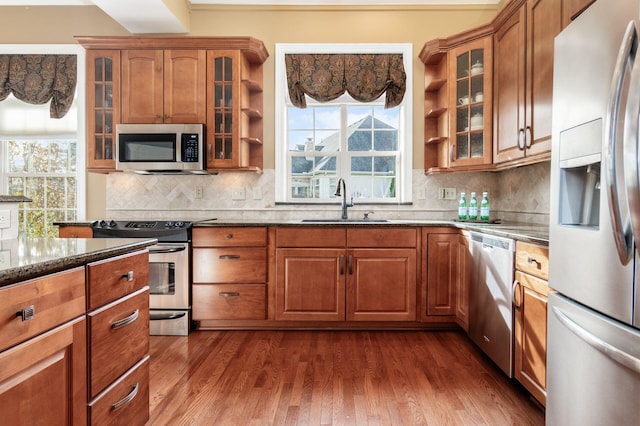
{"points": [[331, 378]]}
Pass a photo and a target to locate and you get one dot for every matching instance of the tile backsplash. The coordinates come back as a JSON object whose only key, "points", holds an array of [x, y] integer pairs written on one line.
{"points": [[520, 194]]}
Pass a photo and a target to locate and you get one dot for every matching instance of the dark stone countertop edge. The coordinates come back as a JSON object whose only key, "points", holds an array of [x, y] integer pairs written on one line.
{"points": [[532, 233], [14, 199], [46, 267]]}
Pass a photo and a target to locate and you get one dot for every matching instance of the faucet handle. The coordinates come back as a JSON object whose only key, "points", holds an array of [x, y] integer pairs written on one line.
{"points": [[366, 215]]}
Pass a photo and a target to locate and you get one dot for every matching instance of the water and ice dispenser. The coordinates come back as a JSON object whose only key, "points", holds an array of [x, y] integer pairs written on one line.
{"points": [[580, 160]]}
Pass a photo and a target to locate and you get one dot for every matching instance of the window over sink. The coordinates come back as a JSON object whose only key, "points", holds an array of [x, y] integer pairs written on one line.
{"points": [[364, 143]]}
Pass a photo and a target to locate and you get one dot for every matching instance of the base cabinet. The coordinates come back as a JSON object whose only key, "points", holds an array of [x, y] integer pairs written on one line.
{"points": [[530, 328], [346, 274], [43, 380]]}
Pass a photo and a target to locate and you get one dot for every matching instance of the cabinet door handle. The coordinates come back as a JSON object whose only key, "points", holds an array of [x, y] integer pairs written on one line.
{"points": [[452, 149], [129, 276], [229, 294], [350, 265], [516, 304], [229, 256], [127, 399], [125, 321], [521, 142], [27, 313], [341, 264], [528, 137]]}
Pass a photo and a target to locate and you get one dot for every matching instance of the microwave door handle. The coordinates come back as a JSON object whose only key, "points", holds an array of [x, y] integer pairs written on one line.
{"points": [[621, 232]]}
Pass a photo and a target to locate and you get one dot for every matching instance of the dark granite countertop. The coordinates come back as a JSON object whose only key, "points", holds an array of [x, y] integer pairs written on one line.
{"points": [[537, 234], [26, 258], [14, 199]]}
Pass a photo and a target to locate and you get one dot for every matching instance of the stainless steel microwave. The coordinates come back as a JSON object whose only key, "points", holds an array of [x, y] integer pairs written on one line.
{"points": [[161, 148]]}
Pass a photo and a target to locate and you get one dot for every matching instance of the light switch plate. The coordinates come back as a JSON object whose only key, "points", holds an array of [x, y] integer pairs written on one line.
{"points": [[5, 258], [5, 219]]}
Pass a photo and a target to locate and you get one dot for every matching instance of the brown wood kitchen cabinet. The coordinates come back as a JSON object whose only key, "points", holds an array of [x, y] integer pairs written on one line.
{"points": [[530, 301], [212, 80], [163, 86], [75, 231], [447, 276], [572, 8], [118, 340], [523, 80], [43, 356], [458, 99], [229, 273], [346, 274]]}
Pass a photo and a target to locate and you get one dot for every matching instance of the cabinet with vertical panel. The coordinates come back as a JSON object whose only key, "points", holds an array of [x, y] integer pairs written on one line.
{"points": [[163, 86], [523, 80]]}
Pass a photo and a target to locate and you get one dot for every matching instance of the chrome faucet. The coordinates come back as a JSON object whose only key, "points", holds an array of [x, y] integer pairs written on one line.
{"points": [[344, 197]]}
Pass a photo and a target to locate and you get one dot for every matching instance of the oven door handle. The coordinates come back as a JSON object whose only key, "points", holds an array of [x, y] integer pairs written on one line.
{"points": [[167, 250], [169, 316]]}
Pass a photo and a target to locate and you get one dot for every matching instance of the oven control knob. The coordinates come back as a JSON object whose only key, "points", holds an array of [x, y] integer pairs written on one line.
{"points": [[168, 224], [103, 224], [112, 224], [179, 224]]}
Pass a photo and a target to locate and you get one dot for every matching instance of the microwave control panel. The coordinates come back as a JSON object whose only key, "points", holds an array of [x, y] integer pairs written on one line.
{"points": [[190, 147]]}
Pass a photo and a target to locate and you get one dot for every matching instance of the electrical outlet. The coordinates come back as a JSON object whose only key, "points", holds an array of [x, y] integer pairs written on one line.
{"points": [[449, 193], [5, 218], [5, 258], [422, 193], [199, 192], [238, 194]]}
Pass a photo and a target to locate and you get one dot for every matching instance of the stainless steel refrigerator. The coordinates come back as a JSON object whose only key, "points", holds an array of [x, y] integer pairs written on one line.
{"points": [[593, 341]]}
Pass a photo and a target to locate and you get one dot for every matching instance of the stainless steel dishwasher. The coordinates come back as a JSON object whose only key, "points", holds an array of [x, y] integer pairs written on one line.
{"points": [[490, 296]]}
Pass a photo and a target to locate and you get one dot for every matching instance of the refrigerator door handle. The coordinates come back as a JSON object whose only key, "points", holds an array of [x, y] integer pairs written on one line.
{"points": [[607, 349], [622, 232]]}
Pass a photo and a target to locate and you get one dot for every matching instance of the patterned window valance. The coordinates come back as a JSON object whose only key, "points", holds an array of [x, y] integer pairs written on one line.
{"points": [[36, 79], [365, 77]]}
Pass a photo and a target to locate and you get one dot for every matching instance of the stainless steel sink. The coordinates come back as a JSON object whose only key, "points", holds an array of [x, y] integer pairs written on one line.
{"points": [[344, 220]]}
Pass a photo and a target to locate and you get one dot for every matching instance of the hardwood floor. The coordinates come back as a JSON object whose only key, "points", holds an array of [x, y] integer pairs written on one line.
{"points": [[331, 378]]}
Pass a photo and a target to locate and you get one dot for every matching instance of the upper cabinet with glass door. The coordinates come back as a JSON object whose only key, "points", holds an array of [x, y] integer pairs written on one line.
{"points": [[471, 66], [458, 97], [103, 108]]}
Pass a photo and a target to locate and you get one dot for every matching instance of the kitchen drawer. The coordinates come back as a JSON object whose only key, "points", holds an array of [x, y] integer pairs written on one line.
{"points": [[230, 237], [229, 301], [319, 237], [382, 237], [230, 265], [125, 402], [118, 338], [111, 279], [532, 259], [55, 299]]}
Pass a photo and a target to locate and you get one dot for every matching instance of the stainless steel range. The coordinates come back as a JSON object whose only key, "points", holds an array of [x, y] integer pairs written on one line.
{"points": [[169, 269]]}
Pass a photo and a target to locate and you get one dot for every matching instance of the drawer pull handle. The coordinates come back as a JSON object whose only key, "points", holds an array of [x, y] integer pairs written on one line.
{"points": [[229, 294], [126, 321], [128, 276], [228, 236], [229, 256], [127, 399], [27, 313], [533, 260]]}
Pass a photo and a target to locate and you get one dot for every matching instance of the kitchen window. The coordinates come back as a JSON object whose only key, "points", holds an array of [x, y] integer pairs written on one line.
{"points": [[43, 158], [363, 142]]}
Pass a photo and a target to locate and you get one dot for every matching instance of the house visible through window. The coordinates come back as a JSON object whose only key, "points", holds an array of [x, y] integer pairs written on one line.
{"points": [[364, 143]]}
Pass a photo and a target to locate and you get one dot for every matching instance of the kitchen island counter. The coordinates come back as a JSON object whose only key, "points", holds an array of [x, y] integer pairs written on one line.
{"points": [[26, 258]]}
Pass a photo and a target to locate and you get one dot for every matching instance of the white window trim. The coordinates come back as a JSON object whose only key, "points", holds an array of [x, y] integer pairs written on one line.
{"points": [[282, 98], [65, 49]]}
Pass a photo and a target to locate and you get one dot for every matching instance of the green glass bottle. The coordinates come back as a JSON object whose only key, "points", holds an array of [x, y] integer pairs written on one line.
{"points": [[484, 207], [473, 207], [462, 207]]}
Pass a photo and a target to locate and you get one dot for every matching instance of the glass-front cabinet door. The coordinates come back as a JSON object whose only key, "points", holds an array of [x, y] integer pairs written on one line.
{"points": [[103, 108], [222, 109], [470, 100]]}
